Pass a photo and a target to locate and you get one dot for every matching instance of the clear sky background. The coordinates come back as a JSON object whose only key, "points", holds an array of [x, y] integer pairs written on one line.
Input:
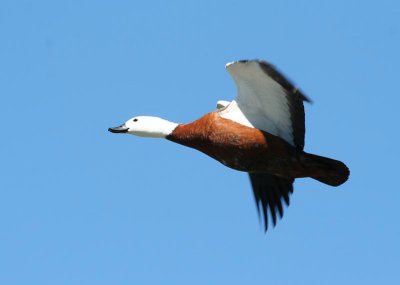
{"points": [[79, 205]]}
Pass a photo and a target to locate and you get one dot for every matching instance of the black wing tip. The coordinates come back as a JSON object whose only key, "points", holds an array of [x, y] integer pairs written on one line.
{"points": [[271, 217], [272, 71], [278, 76], [267, 219], [270, 194]]}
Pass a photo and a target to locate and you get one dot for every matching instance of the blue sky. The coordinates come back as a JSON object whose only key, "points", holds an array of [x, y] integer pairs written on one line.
{"points": [[79, 205]]}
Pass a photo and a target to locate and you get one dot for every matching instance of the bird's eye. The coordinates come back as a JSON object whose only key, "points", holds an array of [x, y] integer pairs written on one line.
{"points": [[135, 120]]}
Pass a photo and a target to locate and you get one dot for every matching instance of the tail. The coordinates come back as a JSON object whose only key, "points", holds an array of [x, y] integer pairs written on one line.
{"points": [[326, 170]]}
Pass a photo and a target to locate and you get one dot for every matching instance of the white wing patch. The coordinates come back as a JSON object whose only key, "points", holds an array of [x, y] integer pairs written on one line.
{"points": [[261, 102]]}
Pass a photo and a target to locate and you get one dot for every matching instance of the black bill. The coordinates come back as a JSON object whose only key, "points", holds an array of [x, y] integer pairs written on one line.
{"points": [[121, 129]]}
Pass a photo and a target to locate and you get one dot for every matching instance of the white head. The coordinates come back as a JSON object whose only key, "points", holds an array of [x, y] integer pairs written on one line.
{"points": [[146, 126]]}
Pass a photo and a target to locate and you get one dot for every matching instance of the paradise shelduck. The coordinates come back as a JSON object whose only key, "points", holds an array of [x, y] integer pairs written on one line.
{"points": [[260, 132]]}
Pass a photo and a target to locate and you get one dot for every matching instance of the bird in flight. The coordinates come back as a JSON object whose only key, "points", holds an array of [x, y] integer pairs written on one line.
{"points": [[260, 132]]}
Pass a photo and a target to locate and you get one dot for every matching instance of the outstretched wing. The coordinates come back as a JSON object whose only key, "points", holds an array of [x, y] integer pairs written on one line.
{"points": [[266, 100]]}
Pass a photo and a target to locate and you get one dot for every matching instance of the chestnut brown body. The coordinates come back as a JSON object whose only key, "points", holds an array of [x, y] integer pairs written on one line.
{"points": [[249, 149]]}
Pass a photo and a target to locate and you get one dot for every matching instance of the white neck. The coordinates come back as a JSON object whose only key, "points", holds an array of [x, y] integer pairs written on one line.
{"points": [[161, 130], [152, 127]]}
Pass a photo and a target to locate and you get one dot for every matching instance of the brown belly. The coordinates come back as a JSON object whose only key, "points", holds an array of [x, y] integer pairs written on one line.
{"points": [[253, 156]]}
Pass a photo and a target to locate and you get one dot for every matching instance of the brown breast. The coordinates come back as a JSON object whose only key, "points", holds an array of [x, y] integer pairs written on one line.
{"points": [[235, 145]]}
